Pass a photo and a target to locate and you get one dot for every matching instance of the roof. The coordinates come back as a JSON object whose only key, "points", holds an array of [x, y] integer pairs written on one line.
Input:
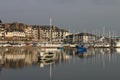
{"points": [[83, 34], [47, 27]]}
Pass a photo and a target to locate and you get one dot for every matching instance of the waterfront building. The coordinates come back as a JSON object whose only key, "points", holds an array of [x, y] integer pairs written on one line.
{"points": [[69, 38], [15, 36], [2, 30], [81, 38], [36, 33], [28, 32], [46, 33]]}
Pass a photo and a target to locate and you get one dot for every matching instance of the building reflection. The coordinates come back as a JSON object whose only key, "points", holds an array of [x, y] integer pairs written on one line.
{"points": [[26, 56], [17, 57]]}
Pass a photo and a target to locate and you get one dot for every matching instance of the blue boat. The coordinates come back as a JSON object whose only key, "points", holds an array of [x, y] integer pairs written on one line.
{"points": [[81, 49]]}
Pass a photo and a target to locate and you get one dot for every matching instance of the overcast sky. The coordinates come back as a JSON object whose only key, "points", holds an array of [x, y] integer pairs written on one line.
{"points": [[75, 15]]}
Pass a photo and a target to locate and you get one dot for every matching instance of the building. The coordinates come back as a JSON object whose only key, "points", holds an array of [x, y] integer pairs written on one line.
{"points": [[28, 32], [2, 30], [14, 36], [37, 33], [46, 33], [81, 38], [69, 38]]}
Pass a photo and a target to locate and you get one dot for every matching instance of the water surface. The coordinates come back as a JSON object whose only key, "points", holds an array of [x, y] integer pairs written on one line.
{"points": [[95, 64]]}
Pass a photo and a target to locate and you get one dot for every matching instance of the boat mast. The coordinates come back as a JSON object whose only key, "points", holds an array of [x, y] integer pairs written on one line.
{"points": [[50, 30], [103, 35]]}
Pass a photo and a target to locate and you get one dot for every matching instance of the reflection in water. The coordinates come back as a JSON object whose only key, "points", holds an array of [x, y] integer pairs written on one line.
{"points": [[104, 56], [53, 61], [17, 57], [21, 57]]}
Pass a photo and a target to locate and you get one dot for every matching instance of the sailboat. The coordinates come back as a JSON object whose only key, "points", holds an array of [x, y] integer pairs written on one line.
{"points": [[50, 44]]}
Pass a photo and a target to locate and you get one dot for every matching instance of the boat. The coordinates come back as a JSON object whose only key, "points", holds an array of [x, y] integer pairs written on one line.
{"points": [[81, 49], [51, 44], [102, 45], [72, 45], [117, 44]]}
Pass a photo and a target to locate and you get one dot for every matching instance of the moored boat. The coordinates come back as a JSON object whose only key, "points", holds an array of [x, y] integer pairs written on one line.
{"points": [[81, 48]]}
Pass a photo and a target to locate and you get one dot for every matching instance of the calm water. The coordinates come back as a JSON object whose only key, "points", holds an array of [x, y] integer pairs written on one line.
{"points": [[95, 64]]}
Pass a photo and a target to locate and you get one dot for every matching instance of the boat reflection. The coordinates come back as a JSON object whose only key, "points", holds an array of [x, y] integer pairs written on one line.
{"points": [[46, 58]]}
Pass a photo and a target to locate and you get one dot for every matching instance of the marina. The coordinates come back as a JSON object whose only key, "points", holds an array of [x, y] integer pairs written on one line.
{"points": [[59, 40]]}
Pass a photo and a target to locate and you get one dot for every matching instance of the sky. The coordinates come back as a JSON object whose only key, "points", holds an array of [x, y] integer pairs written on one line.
{"points": [[74, 15]]}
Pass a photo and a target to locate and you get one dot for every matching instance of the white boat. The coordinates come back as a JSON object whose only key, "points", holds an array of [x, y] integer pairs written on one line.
{"points": [[49, 45], [105, 45], [118, 44], [50, 50], [72, 45]]}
